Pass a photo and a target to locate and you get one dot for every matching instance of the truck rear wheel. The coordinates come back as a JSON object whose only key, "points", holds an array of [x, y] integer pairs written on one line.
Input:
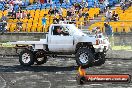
{"points": [[84, 57], [99, 59], [40, 57], [26, 58], [41, 60]]}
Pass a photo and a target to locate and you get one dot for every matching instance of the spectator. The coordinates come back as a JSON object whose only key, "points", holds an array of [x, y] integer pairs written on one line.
{"points": [[72, 10], [3, 18], [10, 8], [82, 4], [123, 5], [101, 1], [86, 14], [70, 20], [60, 11], [55, 11], [19, 8], [108, 29], [19, 15], [19, 25], [73, 20], [130, 2], [2, 26], [61, 1], [55, 20], [69, 13], [24, 14], [95, 4], [1, 1], [80, 12], [28, 15], [44, 20], [14, 14], [106, 3], [65, 21], [96, 30], [115, 16], [16, 7], [11, 2], [77, 6], [108, 16], [19, 2], [61, 18], [50, 11]]}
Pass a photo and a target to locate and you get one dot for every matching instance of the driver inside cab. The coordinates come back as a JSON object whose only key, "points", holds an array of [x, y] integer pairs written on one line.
{"points": [[59, 31]]}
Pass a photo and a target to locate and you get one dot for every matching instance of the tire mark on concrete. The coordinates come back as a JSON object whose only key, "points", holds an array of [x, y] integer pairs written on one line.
{"points": [[3, 82], [49, 83]]}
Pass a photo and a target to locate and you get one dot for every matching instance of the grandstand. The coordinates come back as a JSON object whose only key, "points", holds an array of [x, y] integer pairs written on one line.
{"points": [[37, 10]]}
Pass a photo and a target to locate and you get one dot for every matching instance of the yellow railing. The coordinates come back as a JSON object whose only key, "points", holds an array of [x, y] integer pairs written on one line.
{"points": [[117, 26]]}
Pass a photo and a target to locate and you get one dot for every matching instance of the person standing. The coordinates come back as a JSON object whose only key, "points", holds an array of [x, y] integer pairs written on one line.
{"points": [[106, 3], [108, 16], [109, 33], [44, 22], [108, 29], [115, 16], [61, 1]]}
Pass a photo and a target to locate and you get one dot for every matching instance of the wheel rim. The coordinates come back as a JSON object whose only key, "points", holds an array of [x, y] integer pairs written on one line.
{"points": [[26, 58], [40, 59], [83, 58]]}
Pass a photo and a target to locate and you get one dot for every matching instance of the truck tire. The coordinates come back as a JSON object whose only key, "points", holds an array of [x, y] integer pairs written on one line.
{"points": [[99, 59], [84, 57], [40, 58], [26, 58]]}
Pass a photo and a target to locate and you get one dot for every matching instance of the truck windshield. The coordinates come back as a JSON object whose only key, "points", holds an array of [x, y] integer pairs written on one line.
{"points": [[73, 30]]}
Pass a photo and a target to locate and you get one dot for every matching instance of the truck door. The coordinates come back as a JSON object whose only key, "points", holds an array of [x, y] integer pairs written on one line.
{"points": [[60, 41]]}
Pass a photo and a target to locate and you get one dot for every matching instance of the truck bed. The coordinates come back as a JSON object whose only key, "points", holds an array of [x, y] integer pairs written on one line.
{"points": [[42, 41]]}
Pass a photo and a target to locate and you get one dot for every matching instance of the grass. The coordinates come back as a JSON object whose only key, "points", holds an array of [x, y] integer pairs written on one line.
{"points": [[129, 48], [6, 45]]}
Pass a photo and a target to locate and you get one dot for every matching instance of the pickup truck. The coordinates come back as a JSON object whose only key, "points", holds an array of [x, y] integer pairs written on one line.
{"points": [[89, 50]]}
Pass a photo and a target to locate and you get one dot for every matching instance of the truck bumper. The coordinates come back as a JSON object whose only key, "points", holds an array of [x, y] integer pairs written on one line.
{"points": [[101, 48]]}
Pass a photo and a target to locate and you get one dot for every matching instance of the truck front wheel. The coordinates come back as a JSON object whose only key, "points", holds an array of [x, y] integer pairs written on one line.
{"points": [[26, 58], [84, 57], [99, 59]]}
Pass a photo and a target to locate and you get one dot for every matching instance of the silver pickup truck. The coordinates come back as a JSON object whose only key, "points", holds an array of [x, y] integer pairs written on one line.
{"points": [[89, 50]]}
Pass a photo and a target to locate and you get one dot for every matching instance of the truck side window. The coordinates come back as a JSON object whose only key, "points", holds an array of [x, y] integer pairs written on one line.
{"points": [[55, 30], [52, 29], [59, 30]]}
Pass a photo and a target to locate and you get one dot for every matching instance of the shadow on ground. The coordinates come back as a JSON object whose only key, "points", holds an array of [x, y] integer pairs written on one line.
{"points": [[18, 68]]}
